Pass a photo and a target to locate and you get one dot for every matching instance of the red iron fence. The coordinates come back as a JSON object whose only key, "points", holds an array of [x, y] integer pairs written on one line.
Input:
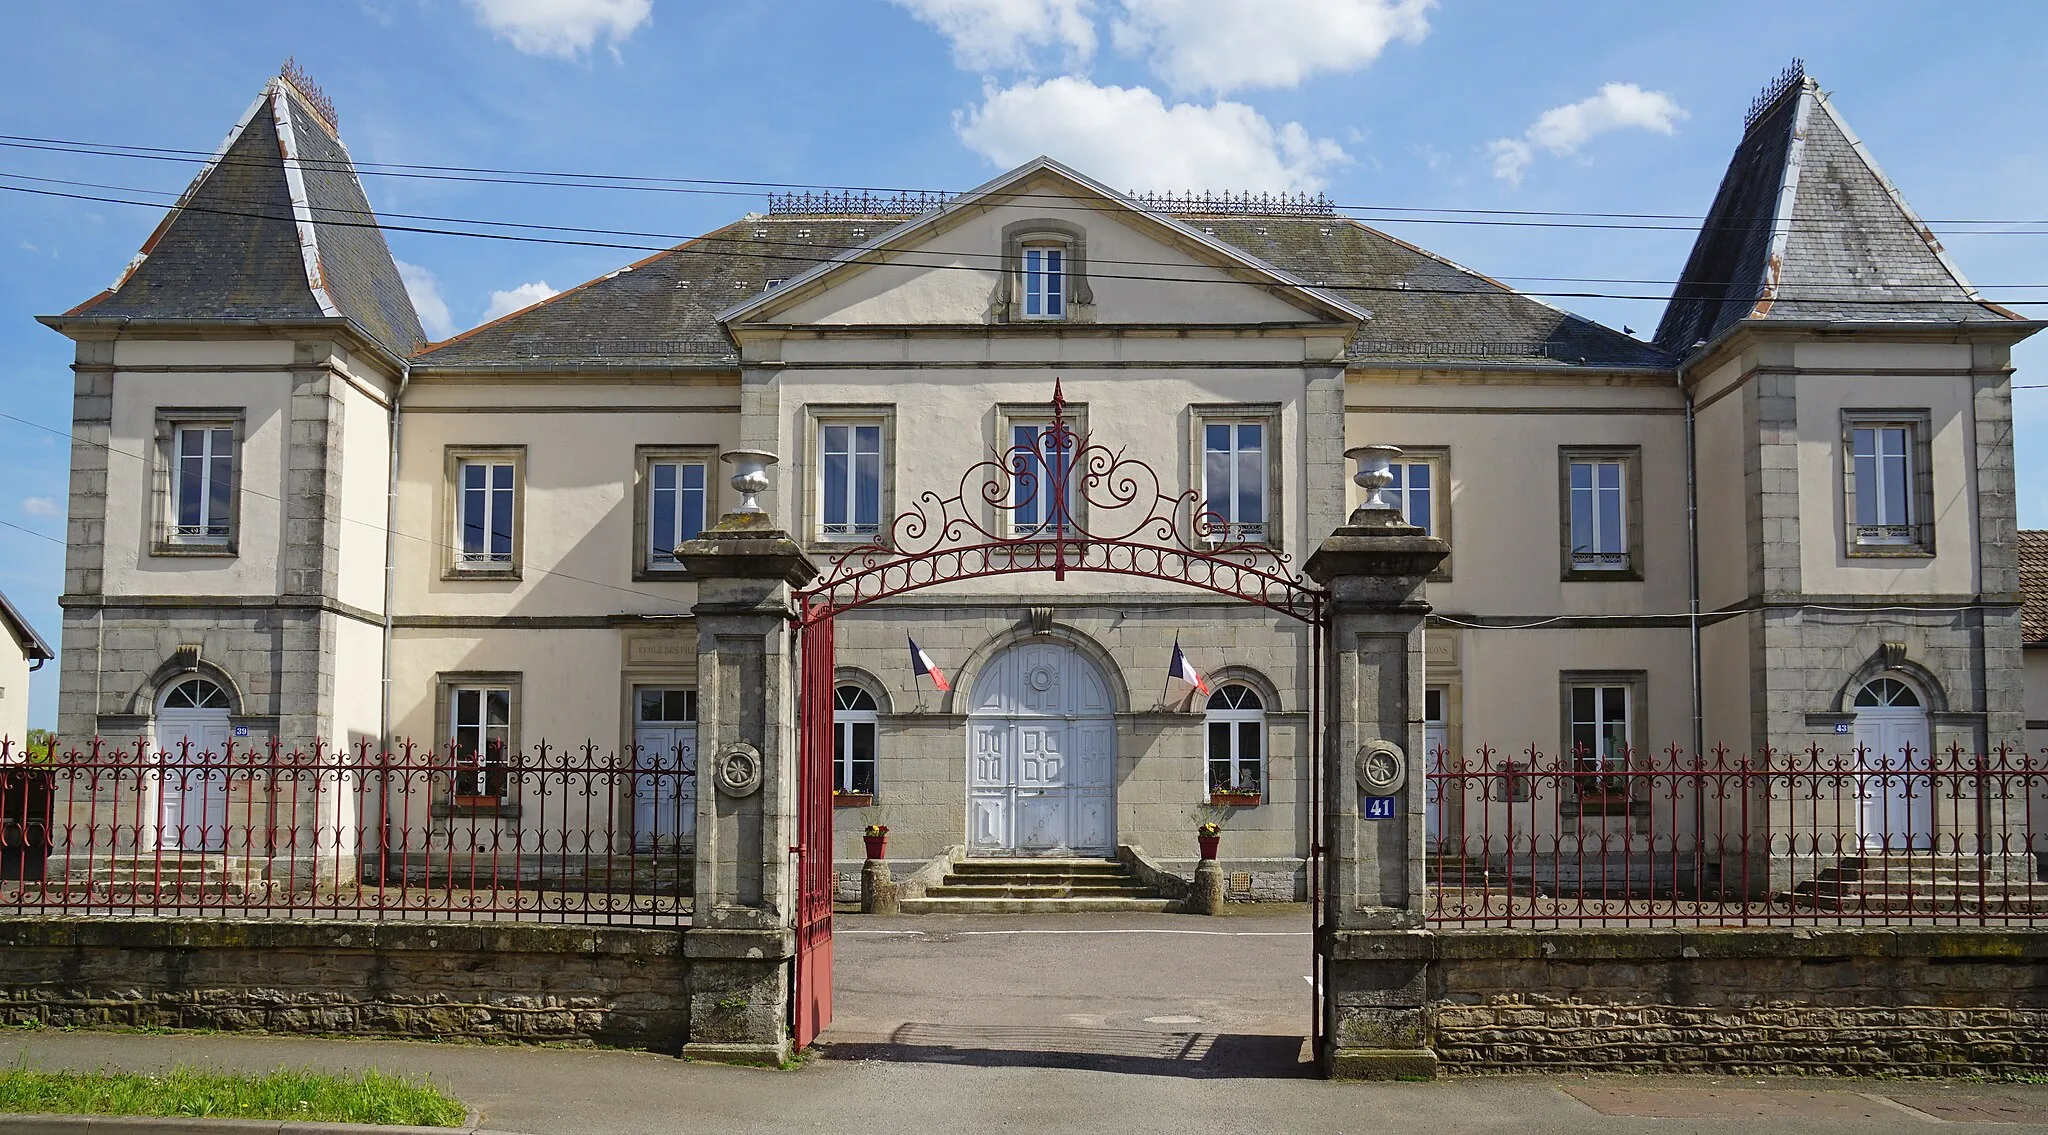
{"points": [[577, 835], [1673, 838]]}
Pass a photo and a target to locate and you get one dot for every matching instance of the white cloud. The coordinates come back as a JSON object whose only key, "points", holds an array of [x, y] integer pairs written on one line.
{"points": [[1131, 139], [1228, 45], [994, 34], [1562, 130], [42, 506], [566, 28], [425, 291], [525, 295]]}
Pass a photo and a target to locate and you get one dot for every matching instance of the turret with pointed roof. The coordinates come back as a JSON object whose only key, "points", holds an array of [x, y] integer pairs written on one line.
{"points": [[1806, 227], [274, 228]]}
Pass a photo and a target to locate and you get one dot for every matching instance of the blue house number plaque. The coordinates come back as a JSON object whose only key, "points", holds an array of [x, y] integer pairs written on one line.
{"points": [[1380, 807]]}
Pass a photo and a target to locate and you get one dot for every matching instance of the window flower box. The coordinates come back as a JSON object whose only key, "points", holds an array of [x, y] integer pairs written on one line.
{"points": [[1235, 798], [852, 799]]}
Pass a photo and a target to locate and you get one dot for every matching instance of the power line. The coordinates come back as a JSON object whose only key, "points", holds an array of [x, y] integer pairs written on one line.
{"points": [[38, 535], [322, 215], [255, 492], [898, 259], [742, 188]]}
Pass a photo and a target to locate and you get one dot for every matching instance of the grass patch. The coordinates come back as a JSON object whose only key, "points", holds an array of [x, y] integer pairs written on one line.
{"points": [[372, 1097]]}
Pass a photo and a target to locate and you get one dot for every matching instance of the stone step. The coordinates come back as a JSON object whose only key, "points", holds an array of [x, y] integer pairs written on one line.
{"points": [[1037, 890], [934, 905], [1093, 867]]}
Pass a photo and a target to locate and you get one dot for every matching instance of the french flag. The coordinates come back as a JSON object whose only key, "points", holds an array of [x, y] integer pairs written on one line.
{"points": [[922, 663], [1185, 670]]}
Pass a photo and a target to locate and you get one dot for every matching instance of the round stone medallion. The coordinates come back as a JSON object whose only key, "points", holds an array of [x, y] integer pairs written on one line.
{"points": [[739, 769]]}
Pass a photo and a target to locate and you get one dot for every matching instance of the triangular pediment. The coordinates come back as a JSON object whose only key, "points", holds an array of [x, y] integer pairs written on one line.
{"points": [[957, 266]]}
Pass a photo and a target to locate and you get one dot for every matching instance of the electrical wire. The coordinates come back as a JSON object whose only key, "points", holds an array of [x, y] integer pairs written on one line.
{"points": [[1146, 278]]}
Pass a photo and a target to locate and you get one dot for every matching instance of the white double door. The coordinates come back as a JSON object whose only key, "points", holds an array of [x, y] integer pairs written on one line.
{"points": [[192, 790], [664, 785], [1894, 793], [1041, 756]]}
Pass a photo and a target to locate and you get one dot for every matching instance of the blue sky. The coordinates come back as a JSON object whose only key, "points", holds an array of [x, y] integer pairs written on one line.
{"points": [[1598, 107]]}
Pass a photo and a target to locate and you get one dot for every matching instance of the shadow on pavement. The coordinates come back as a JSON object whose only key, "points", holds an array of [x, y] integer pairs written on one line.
{"points": [[1134, 1052]]}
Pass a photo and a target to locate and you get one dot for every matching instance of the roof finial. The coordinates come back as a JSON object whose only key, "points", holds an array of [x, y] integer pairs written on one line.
{"points": [[316, 98], [1792, 76]]}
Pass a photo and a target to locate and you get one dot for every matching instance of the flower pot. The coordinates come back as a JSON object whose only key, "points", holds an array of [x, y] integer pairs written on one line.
{"points": [[878, 846], [1209, 844]]}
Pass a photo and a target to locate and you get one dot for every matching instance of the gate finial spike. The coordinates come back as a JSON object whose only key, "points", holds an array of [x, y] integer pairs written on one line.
{"points": [[1059, 405]]}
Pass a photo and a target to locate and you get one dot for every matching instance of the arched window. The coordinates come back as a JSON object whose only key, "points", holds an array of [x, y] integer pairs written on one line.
{"points": [[196, 693], [1237, 740], [853, 741], [1887, 693]]}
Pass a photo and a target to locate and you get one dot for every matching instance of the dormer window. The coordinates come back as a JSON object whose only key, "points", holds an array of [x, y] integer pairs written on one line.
{"points": [[1045, 281]]}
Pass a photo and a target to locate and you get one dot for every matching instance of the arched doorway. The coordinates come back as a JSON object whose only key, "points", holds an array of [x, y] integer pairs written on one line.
{"points": [[192, 733], [1041, 755], [1894, 808]]}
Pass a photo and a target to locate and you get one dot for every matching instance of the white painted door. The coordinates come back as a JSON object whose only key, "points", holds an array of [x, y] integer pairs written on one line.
{"points": [[1895, 809], [664, 785], [192, 797], [1041, 755]]}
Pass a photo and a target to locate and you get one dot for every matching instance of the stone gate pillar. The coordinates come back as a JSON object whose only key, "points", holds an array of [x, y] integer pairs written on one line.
{"points": [[1375, 954], [742, 938]]}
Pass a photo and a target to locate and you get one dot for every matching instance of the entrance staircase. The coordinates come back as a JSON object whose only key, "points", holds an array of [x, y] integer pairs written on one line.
{"points": [[1924, 882], [1038, 886]]}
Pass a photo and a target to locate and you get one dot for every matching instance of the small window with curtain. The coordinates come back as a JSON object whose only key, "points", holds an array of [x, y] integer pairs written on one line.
{"points": [[1236, 726], [480, 722], [855, 725], [1044, 283], [1234, 482], [850, 479]]}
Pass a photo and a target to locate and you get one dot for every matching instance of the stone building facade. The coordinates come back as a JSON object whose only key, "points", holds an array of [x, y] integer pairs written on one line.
{"points": [[339, 530]]}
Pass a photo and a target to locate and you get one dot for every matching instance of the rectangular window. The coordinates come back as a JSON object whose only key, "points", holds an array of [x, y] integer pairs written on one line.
{"points": [[484, 514], [202, 484], [1041, 480], [1236, 756], [1045, 292], [1882, 459], [676, 492], [1599, 510], [853, 754], [850, 471], [1601, 732], [1413, 491], [1234, 481], [480, 730]]}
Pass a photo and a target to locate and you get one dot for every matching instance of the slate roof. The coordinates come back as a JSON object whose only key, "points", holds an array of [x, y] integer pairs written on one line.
{"points": [[32, 644], [663, 310], [1806, 227], [231, 248], [2034, 587]]}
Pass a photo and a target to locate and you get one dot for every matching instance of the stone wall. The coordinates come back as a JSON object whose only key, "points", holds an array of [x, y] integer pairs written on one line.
{"points": [[448, 981], [1892, 1001]]}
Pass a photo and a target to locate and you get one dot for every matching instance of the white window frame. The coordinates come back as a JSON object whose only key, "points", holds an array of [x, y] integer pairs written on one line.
{"points": [[499, 504], [1042, 265], [476, 780], [661, 558], [1600, 722], [1608, 550], [850, 528], [1029, 463], [1226, 526], [1895, 516], [849, 718], [205, 529], [1241, 721], [1401, 493], [462, 561]]}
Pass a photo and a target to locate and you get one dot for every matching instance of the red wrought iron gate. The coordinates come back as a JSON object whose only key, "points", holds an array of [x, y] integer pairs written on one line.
{"points": [[812, 988], [1057, 502]]}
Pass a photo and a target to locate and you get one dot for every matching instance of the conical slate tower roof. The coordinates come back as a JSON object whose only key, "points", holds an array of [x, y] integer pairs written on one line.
{"points": [[275, 226], [1806, 227]]}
